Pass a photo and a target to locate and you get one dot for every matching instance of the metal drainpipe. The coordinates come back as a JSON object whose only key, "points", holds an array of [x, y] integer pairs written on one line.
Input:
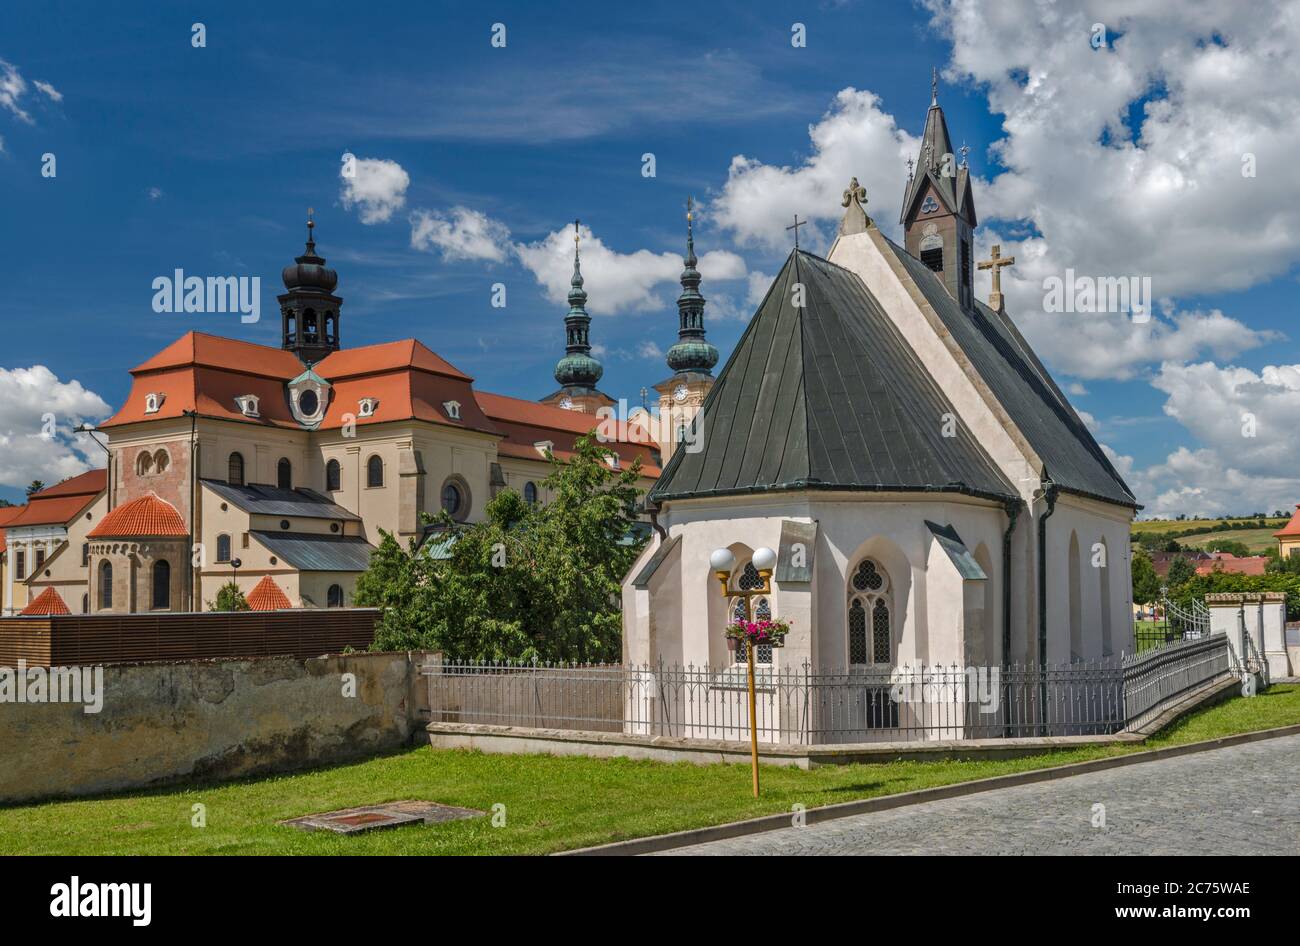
{"points": [[193, 502], [1013, 511], [1049, 494]]}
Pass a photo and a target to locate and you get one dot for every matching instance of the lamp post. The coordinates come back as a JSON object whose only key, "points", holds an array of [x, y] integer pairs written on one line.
{"points": [[722, 561]]}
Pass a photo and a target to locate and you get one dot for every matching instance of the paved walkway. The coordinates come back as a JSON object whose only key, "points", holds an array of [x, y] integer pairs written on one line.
{"points": [[1239, 800]]}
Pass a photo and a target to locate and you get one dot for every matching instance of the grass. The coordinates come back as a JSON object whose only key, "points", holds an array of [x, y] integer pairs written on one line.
{"points": [[551, 803], [1166, 526], [1258, 541]]}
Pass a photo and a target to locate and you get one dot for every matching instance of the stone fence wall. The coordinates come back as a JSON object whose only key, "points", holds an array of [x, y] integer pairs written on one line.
{"points": [[209, 719]]}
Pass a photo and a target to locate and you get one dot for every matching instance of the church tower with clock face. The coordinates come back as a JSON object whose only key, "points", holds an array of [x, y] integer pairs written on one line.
{"points": [[692, 359]]}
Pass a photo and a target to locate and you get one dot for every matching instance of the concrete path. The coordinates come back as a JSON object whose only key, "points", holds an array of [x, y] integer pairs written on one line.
{"points": [[1238, 800]]}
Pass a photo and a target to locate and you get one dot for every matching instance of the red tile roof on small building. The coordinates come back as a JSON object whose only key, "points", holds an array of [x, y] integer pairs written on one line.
{"points": [[1232, 564], [147, 516], [61, 503], [7, 515], [1292, 527], [47, 602], [267, 596]]}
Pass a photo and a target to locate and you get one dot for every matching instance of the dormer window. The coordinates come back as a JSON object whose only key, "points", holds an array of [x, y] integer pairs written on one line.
{"points": [[612, 460], [153, 402], [544, 446], [452, 408], [366, 407], [247, 405], [308, 398]]}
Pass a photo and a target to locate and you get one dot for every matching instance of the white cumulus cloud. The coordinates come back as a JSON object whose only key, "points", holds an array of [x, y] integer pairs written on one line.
{"points": [[30, 400], [376, 187], [461, 234]]}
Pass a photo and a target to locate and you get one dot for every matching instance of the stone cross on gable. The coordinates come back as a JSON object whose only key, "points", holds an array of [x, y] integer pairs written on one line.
{"points": [[996, 301], [855, 218]]}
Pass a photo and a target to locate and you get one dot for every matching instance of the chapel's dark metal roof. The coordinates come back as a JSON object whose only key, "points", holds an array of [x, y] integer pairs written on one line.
{"points": [[1073, 460], [828, 396], [309, 552]]}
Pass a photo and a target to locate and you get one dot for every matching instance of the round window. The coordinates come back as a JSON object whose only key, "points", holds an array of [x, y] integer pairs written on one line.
{"points": [[308, 402], [284, 523], [451, 499]]}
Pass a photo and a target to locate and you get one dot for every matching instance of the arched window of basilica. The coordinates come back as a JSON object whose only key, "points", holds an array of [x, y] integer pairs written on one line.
{"points": [[106, 586], [869, 616], [748, 581], [144, 463], [284, 474], [333, 477], [160, 460]]}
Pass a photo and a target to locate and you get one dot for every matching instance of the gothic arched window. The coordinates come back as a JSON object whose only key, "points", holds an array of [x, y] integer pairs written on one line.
{"points": [[333, 476], [235, 470], [750, 580], [870, 628], [223, 548], [106, 586], [530, 493], [334, 597], [162, 585]]}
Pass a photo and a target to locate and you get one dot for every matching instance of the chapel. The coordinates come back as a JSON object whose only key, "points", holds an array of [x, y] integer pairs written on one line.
{"points": [[930, 493]]}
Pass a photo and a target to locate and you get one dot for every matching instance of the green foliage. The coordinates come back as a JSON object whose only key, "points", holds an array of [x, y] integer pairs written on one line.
{"points": [[1231, 546], [229, 598], [1146, 583], [529, 582], [1180, 570], [1199, 586], [1277, 565]]}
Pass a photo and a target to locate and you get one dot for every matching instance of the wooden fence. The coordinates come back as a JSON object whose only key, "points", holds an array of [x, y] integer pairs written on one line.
{"points": [[70, 640]]}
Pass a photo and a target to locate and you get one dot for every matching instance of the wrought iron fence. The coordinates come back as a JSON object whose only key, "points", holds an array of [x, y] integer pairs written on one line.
{"points": [[810, 706]]}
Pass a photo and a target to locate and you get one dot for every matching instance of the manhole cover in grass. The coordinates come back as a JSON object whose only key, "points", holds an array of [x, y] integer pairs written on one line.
{"points": [[393, 814]]}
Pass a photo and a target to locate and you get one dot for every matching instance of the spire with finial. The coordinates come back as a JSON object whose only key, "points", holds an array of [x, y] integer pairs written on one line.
{"points": [[691, 353], [855, 219], [577, 369], [934, 86]]}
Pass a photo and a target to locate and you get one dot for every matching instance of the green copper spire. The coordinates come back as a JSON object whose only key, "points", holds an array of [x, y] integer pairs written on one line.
{"points": [[577, 368], [691, 353]]}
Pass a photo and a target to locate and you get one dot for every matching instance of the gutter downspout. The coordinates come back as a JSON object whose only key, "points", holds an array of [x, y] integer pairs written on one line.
{"points": [[1049, 494], [653, 511], [1013, 511], [192, 570]]}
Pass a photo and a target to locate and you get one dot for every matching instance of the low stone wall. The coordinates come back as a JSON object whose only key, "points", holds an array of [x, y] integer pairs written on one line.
{"points": [[166, 722]]}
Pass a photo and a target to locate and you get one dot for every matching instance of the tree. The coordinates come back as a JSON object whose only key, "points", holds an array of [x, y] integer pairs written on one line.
{"points": [[530, 582], [229, 598], [35, 487], [1231, 546], [1180, 570], [1146, 583]]}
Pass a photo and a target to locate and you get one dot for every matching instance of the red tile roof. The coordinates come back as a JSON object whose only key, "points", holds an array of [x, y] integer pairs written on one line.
{"points": [[526, 423], [1232, 564], [267, 596], [1292, 527], [61, 503], [387, 356], [7, 515], [146, 516], [47, 602]]}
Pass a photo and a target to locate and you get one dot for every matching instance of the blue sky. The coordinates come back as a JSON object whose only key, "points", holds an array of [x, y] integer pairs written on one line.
{"points": [[206, 159]]}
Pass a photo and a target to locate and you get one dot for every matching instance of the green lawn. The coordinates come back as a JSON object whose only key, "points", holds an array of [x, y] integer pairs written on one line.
{"points": [[551, 803], [1258, 541], [1166, 526]]}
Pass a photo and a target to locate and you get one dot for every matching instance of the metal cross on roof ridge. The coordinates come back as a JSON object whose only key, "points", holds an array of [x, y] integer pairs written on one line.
{"points": [[795, 227]]}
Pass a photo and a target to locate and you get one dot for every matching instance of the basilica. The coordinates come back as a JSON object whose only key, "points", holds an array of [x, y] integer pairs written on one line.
{"points": [[277, 467]]}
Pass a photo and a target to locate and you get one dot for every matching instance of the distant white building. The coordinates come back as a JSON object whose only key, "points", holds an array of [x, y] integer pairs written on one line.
{"points": [[931, 494]]}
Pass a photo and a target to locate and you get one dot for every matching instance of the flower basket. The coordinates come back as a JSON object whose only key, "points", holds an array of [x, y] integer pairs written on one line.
{"points": [[771, 633]]}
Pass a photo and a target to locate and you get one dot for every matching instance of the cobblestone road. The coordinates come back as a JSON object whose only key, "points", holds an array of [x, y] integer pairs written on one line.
{"points": [[1239, 800]]}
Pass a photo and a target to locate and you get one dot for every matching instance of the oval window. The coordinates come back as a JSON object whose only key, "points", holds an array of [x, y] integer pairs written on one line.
{"points": [[308, 403]]}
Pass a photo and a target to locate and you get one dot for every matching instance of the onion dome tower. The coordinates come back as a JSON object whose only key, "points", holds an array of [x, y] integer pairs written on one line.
{"points": [[309, 311], [578, 372], [691, 358]]}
